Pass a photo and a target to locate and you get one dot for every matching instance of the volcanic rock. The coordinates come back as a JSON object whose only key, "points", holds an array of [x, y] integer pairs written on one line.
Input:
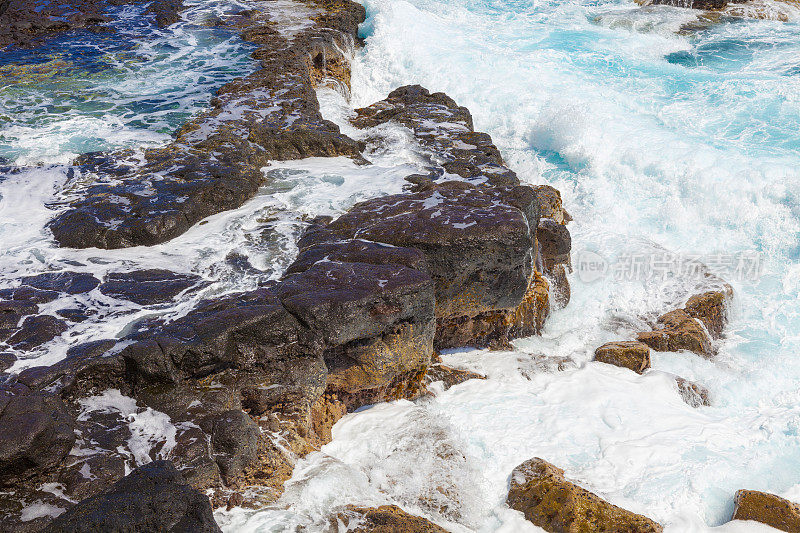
{"points": [[384, 519], [626, 354], [153, 497], [36, 433], [768, 509], [678, 331], [147, 287], [540, 491]]}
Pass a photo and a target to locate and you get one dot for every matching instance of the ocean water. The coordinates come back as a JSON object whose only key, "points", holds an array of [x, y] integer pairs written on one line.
{"points": [[671, 140]]}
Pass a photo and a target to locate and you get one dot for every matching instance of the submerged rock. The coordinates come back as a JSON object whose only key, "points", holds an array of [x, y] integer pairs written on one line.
{"points": [[540, 491], [692, 393], [153, 497], [384, 519], [626, 354], [768, 509]]}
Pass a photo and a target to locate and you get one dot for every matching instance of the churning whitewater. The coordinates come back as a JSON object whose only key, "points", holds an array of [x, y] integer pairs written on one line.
{"points": [[673, 140]]}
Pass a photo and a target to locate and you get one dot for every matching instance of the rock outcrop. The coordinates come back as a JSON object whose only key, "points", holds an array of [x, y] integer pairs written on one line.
{"points": [[215, 161], [243, 385], [626, 354], [768, 509], [153, 497], [540, 491]]}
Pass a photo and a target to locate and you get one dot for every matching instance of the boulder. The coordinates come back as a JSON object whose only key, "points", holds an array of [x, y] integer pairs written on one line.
{"points": [[678, 331], [36, 433], [154, 497], [540, 491], [7, 360], [477, 249], [234, 444], [768, 509], [710, 309], [633, 355], [65, 282], [384, 519]]}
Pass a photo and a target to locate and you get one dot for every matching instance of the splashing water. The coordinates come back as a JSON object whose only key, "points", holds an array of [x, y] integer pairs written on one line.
{"points": [[666, 136], [660, 139]]}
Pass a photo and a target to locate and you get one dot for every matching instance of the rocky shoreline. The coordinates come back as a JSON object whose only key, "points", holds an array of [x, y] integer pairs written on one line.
{"points": [[246, 384]]}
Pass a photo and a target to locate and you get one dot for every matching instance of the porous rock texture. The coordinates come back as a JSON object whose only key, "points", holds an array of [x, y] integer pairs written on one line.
{"points": [[153, 497], [384, 519], [540, 491], [632, 355], [247, 383], [768, 509]]}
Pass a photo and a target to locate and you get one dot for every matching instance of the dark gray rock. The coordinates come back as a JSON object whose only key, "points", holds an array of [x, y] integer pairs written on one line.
{"points": [[154, 497], [477, 249], [344, 302], [36, 433], [234, 444], [67, 282], [147, 287], [37, 330]]}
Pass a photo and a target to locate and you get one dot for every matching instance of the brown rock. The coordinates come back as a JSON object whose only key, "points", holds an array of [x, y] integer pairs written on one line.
{"points": [[678, 331], [540, 492], [633, 355], [384, 519], [710, 309], [692, 393], [768, 509], [495, 329]]}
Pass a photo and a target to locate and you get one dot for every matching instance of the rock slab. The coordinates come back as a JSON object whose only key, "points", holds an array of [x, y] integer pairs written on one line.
{"points": [[540, 491]]}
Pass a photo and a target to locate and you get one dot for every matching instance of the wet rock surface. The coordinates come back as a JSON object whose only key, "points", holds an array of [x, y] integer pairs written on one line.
{"points": [[384, 519], [632, 355], [243, 385], [678, 331], [215, 161], [25, 23], [768, 509], [153, 497], [540, 491], [692, 393], [148, 287]]}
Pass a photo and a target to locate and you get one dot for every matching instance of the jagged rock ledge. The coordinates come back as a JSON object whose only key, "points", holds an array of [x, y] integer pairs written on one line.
{"points": [[214, 164], [248, 383]]}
